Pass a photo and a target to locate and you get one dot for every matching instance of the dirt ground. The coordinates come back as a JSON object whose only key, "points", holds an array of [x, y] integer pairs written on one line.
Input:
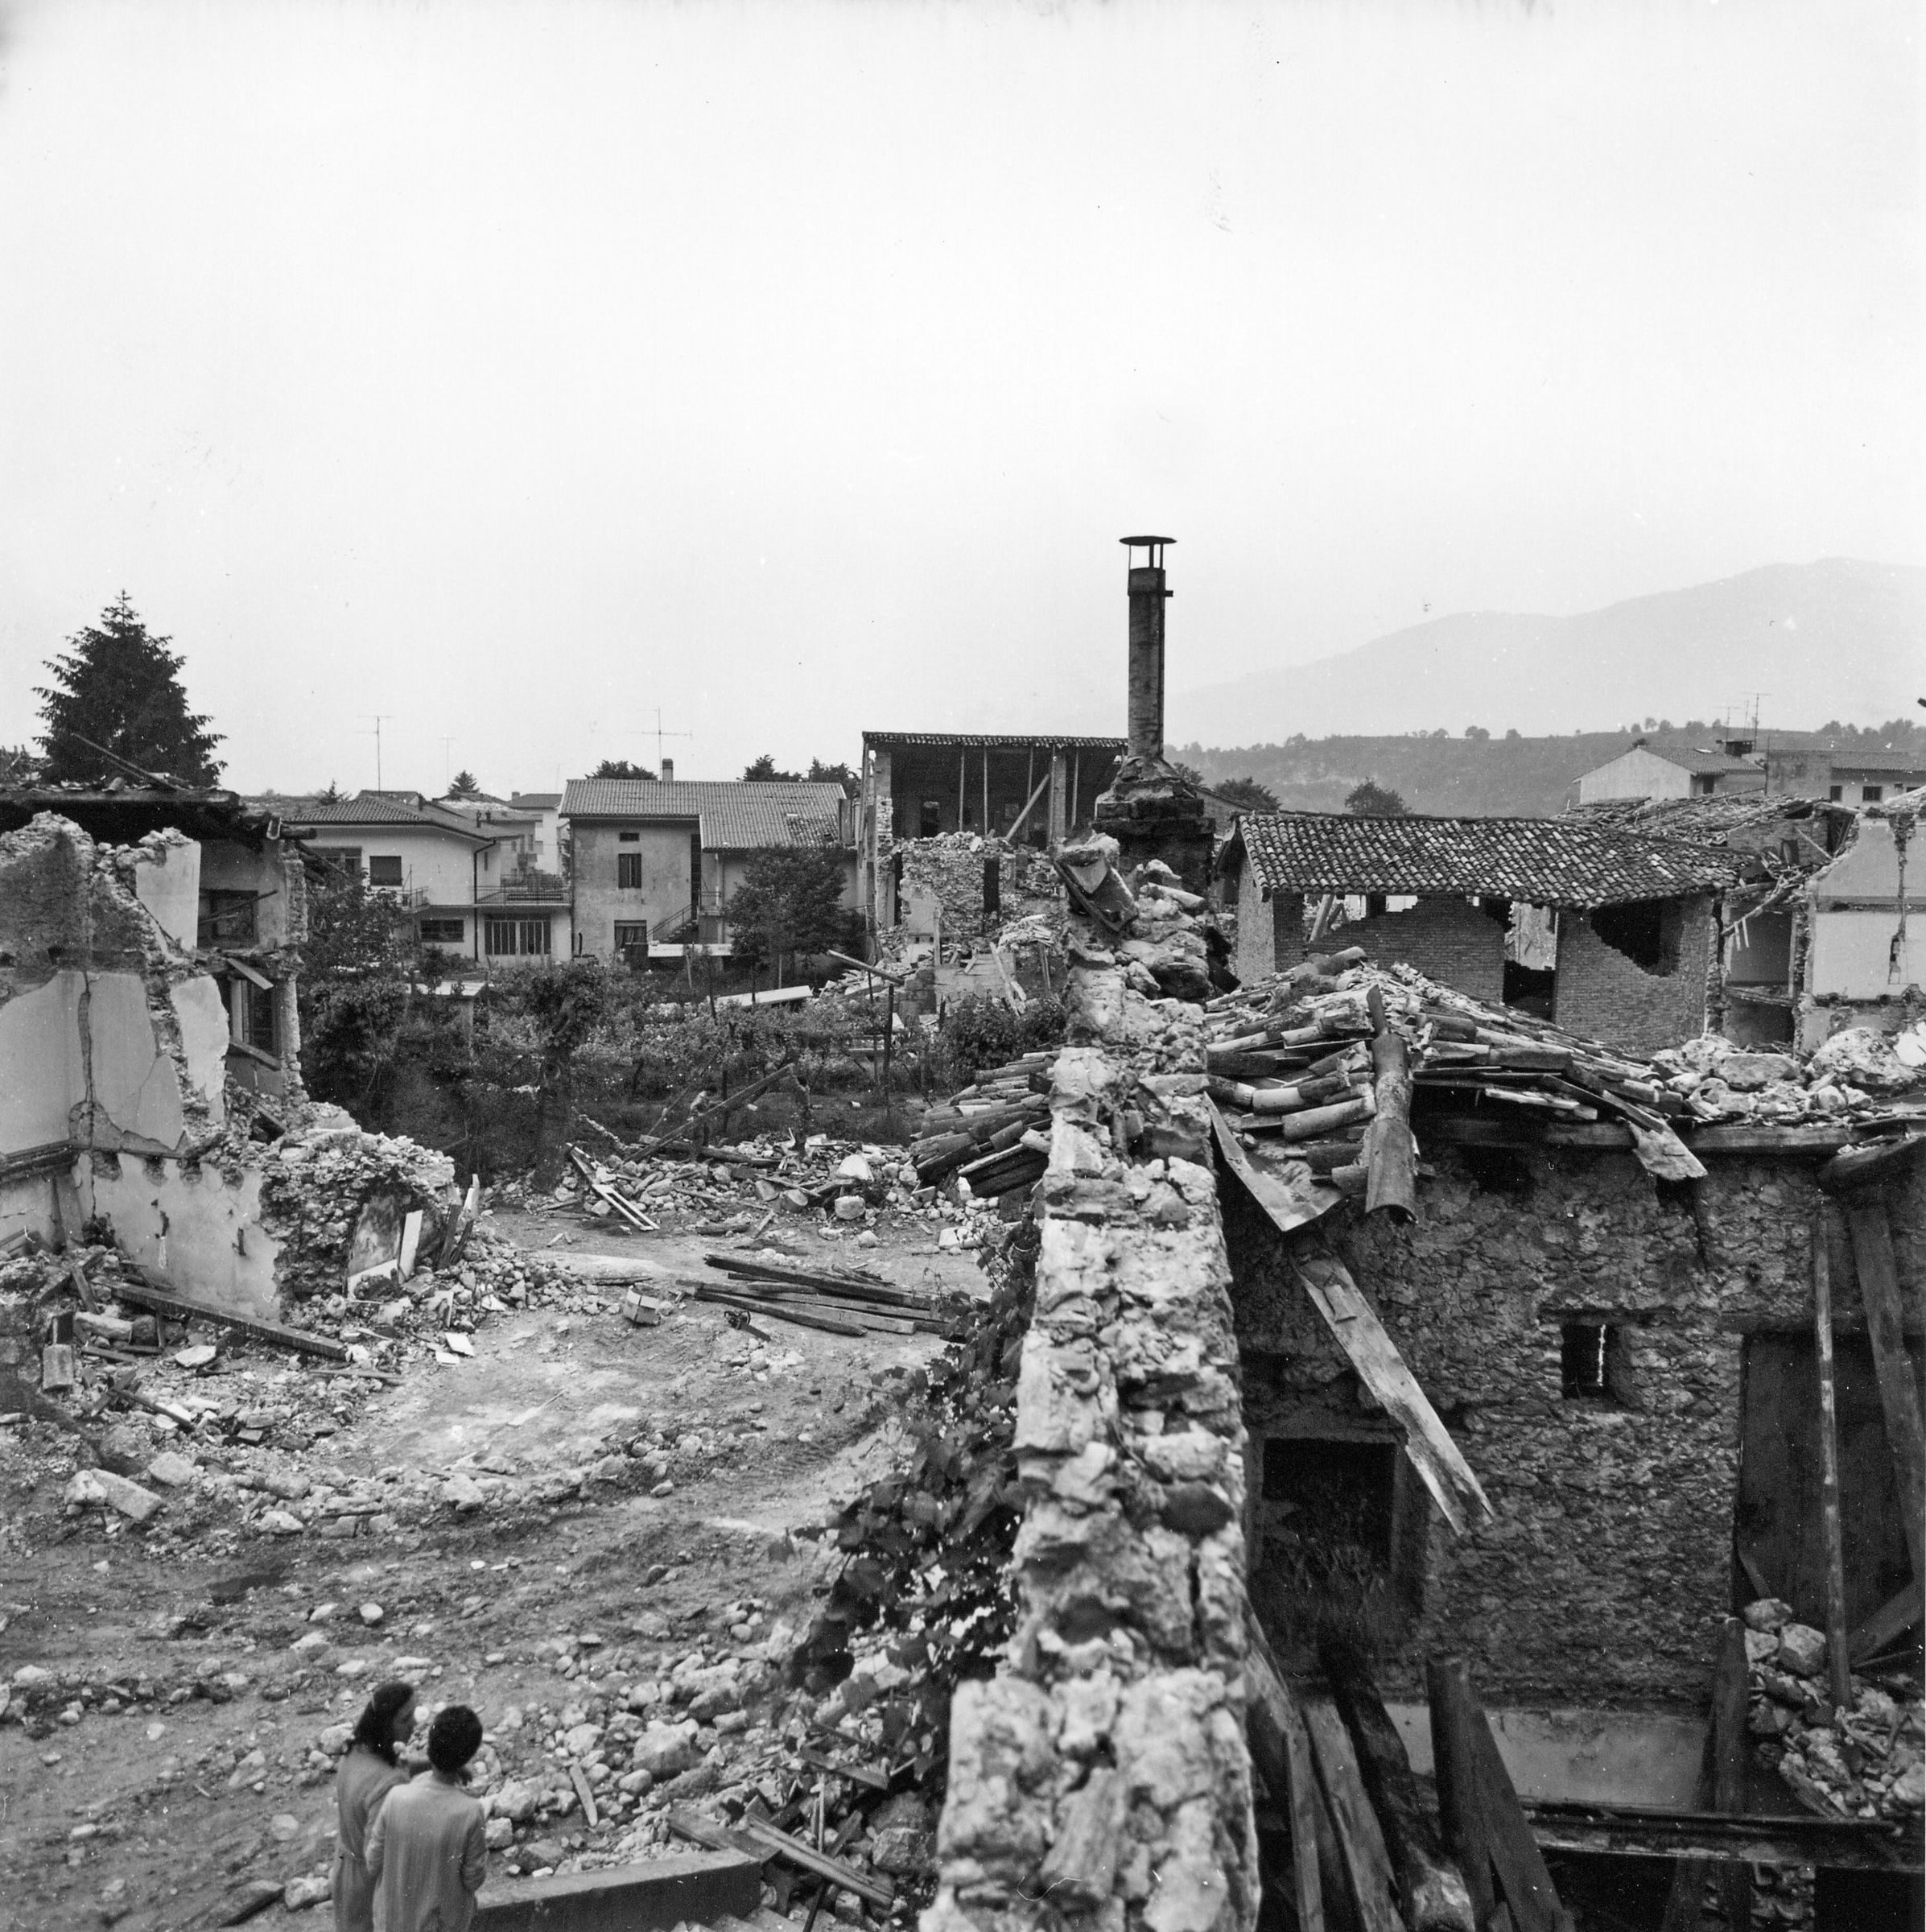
{"points": [[150, 1807]]}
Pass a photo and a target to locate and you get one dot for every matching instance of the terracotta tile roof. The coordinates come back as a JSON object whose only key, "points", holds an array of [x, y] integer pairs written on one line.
{"points": [[732, 815], [378, 808], [1544, 861]]}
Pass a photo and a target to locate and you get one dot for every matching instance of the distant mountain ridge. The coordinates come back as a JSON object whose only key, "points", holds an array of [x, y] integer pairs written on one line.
{"points": [[1838, 638]]}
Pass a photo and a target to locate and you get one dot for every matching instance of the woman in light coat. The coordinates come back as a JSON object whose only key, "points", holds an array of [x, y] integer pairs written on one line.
{"points": [[369, 1771]]}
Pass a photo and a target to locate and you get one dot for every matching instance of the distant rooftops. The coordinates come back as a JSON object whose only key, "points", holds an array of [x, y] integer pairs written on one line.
{"points": [[391, 808], [1568, 862]]}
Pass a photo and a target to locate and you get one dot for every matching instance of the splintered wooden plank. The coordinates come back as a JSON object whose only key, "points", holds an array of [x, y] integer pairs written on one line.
{"points": [[1287, 1206], [1878, 1273], [1522, 1877], [1373, 1354], [1367, 1862], [1282, 1747]]}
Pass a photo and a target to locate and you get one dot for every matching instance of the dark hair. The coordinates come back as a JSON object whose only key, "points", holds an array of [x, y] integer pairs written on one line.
{"points": [[374, 1731], [453, 1738]]}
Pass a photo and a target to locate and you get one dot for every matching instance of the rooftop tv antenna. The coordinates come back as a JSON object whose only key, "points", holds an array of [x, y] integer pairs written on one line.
{"points": [[381, 718]]}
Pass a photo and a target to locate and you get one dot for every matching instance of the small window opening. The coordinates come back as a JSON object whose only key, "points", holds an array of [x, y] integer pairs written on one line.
{"points": [[628, 872], [1872, 794], [1591, 1360], [1836, 793], [929, 819], [385, 870], [629, 838]]}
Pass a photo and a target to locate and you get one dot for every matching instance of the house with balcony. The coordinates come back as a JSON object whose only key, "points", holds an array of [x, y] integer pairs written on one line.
{"points": [[653, 863], [465, 881]]}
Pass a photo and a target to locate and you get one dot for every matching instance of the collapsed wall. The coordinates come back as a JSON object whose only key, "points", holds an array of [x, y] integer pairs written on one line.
{"points": [[1103, 1777], [116, 1103], [946, 874]]}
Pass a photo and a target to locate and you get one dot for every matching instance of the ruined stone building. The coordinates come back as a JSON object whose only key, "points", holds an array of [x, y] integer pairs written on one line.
{"points": [[1814, 934], [1377, 1327], [1625, 956], [920, 790]]}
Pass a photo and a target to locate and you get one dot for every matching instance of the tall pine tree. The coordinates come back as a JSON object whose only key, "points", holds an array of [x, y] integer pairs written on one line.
{"points": [[120, 688]]}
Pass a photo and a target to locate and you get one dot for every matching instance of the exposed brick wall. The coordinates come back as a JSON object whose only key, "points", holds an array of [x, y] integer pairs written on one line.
{"points": [[1603, 995], [1448, 940], [1603, 1576]]}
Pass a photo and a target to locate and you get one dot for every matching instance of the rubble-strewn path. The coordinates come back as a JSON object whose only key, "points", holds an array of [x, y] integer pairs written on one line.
{"points": [[600, 1564]]}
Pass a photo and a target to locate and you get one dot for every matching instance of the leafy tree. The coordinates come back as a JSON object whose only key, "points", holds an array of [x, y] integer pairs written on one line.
{"points": [[789, 902], [120, 688], [1247, 795], [465, 786], [1372, 800], [621, 768], [1477, 732], [833, 774], [333, 794], [356, 982], [1189, 775], [567, 1001], [763, 770]]}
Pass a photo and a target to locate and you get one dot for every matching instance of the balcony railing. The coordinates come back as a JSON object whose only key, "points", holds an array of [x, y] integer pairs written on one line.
{"points": [[527, 889], [407, 896]]}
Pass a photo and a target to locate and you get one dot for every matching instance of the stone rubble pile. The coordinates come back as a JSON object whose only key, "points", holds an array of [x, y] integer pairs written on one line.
{"points": [[1867, 1761]]}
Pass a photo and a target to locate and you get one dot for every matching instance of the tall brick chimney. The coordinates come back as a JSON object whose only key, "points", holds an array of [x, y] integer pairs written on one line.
{"points": [[668, 771], [1150, 810], [1147, 596]]}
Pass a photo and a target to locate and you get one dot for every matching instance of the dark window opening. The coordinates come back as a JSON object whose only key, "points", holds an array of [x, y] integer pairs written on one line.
{"points": [[1498, 1169], [992, 885], [1836, 793], [1647, 933], [384, 869], [629, 838], [896, 885], [226, 918], [1530, 990], [1342, 1496], [1592, 1364], [1872, 794], [628, 872], [442, 932], [929, 819], [1704, 786]]}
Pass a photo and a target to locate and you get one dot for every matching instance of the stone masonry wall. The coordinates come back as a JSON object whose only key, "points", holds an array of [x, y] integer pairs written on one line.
{"points": [[1102, 1779], [951, 867], [1606, 1572], [1602, 995]]}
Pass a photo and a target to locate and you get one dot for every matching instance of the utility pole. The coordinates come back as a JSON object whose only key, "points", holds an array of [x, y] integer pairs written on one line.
{"points": [[381, 718]]}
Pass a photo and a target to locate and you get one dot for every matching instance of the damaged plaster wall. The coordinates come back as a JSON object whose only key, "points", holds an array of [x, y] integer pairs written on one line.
{"points": [[1103, 1778], [113, 1042]]}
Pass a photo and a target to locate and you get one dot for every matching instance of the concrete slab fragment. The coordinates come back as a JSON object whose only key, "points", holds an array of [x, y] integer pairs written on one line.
{"points": [[700, 1886], [165, 870]]}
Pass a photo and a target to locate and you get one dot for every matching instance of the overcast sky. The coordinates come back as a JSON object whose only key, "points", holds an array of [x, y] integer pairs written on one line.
{"points": [[514, 370]]}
